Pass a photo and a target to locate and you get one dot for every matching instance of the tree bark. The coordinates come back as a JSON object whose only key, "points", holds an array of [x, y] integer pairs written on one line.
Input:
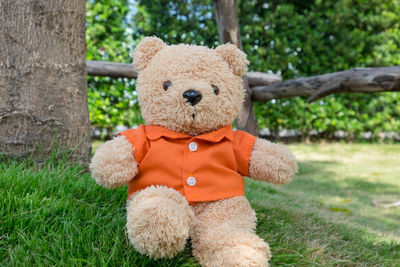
{"points": [[359, 80], [228, 29], [43, 84], [257, 78]]}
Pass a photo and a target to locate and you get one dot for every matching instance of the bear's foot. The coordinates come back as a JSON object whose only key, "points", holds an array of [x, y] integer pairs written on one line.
{"points": [[224, 235], [240, 249], [158, 221]]}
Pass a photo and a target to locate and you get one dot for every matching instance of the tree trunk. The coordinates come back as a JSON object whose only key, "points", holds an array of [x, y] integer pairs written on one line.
{"points": [[43, 84], [228, 29]]}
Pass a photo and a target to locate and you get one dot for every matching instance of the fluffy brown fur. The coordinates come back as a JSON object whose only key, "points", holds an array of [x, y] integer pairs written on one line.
{"points": [[159, 219], [224, 234], [272, 163], [113, 164], [190, 67]]}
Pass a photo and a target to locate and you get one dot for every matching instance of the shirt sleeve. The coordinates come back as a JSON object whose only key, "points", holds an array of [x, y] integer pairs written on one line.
{"points": [[242, 147], [137, 138]]}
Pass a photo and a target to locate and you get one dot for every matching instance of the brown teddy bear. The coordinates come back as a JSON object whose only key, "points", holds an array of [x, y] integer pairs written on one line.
{"points": [[185, 167]]}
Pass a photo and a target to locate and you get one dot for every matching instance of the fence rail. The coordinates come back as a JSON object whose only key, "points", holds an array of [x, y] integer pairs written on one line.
{"points": [[264, 86], [124, 70]]}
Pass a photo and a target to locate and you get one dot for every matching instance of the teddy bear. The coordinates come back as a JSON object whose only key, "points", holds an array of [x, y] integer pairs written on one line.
{"points": [[184, 167]]}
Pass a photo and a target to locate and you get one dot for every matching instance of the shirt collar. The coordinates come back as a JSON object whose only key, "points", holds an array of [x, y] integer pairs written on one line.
{"points": [[154, 132]]}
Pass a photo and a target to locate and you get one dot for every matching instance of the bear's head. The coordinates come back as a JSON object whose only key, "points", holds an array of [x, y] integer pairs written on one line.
{"points": [[189, 89]]}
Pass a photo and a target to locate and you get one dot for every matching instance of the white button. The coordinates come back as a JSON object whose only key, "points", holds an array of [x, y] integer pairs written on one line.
{"points": [[193, 146], [191, 181]]}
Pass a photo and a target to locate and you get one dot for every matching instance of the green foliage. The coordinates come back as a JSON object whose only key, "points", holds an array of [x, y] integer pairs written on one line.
{"points": [[176, 21], [298, 38], [291, 37], [352, 113], [304, 38], [112, 102]]}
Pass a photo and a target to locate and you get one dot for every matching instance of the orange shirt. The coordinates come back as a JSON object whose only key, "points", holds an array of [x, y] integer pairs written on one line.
{"points": [[206, 167]]}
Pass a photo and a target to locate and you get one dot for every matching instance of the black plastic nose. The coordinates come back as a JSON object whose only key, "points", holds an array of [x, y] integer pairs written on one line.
{"points": [[192, 96]]}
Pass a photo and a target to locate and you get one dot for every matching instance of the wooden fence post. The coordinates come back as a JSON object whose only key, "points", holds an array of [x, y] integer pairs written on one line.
{"points": [[228, 29]]}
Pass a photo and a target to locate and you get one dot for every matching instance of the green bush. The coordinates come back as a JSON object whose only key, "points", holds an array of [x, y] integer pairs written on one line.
{"points": [[296, 38], [112, 102], [293, 38]]}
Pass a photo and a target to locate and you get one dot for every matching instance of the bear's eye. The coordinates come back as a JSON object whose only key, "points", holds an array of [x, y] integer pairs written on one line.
{"points": [[215, 89], [166, 85]]}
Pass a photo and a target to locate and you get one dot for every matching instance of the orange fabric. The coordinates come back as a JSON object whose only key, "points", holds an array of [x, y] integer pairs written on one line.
{"points": [[217, 161]]}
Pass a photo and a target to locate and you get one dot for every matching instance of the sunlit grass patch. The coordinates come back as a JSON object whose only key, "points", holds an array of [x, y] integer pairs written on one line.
{"points": [[55, 214]]}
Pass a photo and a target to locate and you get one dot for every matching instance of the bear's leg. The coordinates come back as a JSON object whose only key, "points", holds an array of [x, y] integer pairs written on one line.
{"points": [[158, 221], [224, 235]]}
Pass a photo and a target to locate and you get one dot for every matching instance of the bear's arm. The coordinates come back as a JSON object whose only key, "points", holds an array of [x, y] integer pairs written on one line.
{"points": [[114, 164], [271, 163]]}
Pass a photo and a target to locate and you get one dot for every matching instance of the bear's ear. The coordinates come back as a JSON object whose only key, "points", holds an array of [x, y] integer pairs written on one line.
{"points": [[236, 59], [145, 51]]}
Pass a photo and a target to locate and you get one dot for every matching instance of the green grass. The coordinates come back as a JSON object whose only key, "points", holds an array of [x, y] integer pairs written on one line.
{"points": [[56, 214]]}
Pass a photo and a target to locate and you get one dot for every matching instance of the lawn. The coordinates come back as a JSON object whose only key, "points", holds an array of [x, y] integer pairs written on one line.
{"points": [[55, 214]]}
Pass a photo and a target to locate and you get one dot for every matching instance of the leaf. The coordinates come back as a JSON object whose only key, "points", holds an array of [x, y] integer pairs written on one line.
{"points": [[344, 210]]}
